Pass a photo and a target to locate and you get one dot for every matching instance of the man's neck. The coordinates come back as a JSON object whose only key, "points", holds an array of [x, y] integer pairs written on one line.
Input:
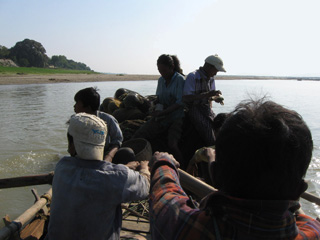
{"points": [[204, 72]]}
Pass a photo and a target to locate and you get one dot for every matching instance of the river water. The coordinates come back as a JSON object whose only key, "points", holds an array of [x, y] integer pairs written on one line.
{"points": [[33, 129]]}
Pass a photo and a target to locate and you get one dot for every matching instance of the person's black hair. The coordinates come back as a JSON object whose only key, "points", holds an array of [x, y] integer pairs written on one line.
{"points": [[170, 61], [123, 156], [70, 138], [263, 152], [218, 120], [89, 97]]}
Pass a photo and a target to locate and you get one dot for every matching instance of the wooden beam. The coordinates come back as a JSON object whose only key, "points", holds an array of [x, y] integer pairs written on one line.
{"points": [[26, 180], [18, 223], [201, 189]]}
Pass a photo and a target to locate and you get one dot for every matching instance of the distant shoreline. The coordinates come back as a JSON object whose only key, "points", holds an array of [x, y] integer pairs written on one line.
{"points": [[7, 79], [69, 78]]}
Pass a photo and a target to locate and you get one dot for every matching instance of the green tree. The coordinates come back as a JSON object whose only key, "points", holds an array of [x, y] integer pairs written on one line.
{"points": [[29, 53], [59, 61], [62, 62], [4, 52]]}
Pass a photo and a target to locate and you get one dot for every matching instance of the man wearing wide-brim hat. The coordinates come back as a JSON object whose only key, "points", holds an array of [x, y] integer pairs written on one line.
{"points": [[199, 92]]}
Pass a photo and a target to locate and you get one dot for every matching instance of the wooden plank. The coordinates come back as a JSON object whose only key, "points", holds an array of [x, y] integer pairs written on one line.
{"points": [[34, 230], [24, 218]]}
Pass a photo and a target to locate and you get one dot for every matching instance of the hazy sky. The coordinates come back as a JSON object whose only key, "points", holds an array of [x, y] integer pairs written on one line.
{"points": [[253, 37]]}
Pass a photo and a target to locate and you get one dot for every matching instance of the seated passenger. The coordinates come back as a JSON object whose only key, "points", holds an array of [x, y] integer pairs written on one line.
{"points": [[88, 101], [87, 192], [168, 115], [199, 92], [262, 154]]}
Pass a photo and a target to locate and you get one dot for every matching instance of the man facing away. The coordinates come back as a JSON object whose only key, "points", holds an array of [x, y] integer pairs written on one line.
{"points": [[262, 154], [199, 92], [88, 101], [87, 191]]}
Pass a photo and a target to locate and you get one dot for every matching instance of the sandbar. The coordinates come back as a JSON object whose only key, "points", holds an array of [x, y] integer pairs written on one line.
{"points": [[15, 79]]}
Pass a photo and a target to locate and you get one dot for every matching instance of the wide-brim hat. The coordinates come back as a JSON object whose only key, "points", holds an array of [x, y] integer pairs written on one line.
{"points": [[215, 61], [89, 135]]}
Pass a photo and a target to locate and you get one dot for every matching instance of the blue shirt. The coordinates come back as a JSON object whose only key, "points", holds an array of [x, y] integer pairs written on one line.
{"points": [[114, 135], [86, 198], [171, 94], [196, 83]]}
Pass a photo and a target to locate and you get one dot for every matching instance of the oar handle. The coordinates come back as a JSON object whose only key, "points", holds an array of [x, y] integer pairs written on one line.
{"points": [[311, 198], [194, 185], [26, 180], [201, 189]]}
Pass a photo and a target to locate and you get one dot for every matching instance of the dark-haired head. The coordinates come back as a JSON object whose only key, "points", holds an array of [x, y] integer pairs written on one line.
{"points": [[218, 121], [170, 61], [262, 152], [89, 97]]}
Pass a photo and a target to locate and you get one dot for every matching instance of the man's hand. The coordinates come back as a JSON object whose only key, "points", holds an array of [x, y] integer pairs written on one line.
{"points": [[214, 93], [144, 165], [108, 158], [205, 154], [133, 165], [136, 165], [209, 154], [218, 99], [161, 155]]}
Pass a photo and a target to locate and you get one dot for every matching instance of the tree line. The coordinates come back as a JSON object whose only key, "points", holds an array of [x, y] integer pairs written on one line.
{"points": [[30, 53]]}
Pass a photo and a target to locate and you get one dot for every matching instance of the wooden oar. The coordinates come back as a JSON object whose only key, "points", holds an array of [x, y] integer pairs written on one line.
{"points": [[18, 223], [194, 185], [311, 198], [188, 182], [201, 189], [26, 180]]}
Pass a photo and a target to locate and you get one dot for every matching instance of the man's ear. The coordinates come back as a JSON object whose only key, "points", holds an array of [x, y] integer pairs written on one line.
{"points": [[301, 188], [214, 174], [71, 149]]}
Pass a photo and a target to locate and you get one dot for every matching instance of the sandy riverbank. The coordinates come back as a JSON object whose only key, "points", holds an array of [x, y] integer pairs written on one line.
{"points": [[58, 78], [14, 79]]}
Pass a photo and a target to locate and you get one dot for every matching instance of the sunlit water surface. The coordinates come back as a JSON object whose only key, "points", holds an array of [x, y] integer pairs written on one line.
{"points": [[33, 129]]}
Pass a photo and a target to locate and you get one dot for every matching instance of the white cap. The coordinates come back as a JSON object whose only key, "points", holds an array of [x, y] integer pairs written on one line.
{"points": [[89, 135], [216, 61]]}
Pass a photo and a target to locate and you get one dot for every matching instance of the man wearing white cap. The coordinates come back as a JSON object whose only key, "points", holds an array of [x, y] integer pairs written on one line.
{"points": [[87, 191], [199, 92]]}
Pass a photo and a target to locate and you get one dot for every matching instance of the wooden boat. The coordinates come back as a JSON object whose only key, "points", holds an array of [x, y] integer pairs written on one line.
{"points": [[32, 224]]}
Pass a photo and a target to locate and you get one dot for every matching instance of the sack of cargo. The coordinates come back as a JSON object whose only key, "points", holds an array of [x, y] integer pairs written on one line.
{"points": [[123, 114]]}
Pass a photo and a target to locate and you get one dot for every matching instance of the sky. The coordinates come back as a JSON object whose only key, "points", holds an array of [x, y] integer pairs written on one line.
{"points": [[253, 37]]}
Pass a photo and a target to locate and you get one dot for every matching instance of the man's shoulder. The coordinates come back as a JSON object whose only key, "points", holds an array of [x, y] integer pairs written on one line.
{"points": [[106, 116], [308, 226], [76, 161], [193, 75], [66, 159], [103, 167], [179, 76]]}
